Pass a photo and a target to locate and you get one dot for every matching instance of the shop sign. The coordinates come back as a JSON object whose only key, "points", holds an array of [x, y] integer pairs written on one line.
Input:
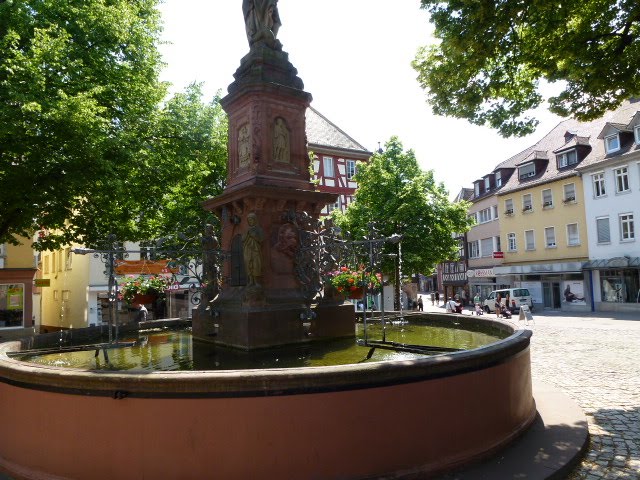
{"points": [[481, 273], [498, 254], [42, 282], [454, 277]]}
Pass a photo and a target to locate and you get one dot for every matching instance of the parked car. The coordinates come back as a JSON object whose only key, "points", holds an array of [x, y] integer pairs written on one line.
{"points": [[517, 298]]}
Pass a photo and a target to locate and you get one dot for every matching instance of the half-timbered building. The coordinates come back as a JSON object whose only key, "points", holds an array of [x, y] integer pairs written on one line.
{"points": [[335, 158]]}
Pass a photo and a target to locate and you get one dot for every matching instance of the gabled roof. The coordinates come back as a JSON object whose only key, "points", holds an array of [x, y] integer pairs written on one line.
{"points": [[573, 143], [535, 155], [324, 133], [464, 194], [611, 128]]}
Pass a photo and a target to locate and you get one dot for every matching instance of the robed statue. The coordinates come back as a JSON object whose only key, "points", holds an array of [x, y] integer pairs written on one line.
{"points": [[262, 21]]}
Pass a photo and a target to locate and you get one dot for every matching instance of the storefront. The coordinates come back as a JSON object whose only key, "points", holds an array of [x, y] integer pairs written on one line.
{"points": [[483, 281], [553, 286], [454, 281], [616, 283]]}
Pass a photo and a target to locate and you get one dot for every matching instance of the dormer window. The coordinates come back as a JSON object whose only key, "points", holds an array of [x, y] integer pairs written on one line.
{"points": [[476, 189], [567, 158], [499, 177], [487, 184], [636, 133], [527, 171], [612, 143]]}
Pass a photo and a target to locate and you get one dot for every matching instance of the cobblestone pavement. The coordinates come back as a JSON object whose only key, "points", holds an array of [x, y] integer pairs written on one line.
{"points": [[594, 358], [596, 361]]}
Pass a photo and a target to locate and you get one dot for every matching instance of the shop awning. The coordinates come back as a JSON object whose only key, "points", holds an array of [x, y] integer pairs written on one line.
{"points": [[616, 262], [144, 267]]}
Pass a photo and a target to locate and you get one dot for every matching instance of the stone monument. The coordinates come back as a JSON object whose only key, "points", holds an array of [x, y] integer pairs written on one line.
{"points": [[261, 303]]}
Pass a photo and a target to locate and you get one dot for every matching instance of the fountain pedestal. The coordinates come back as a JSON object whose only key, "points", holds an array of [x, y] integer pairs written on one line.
{"points": [[261, 303]]}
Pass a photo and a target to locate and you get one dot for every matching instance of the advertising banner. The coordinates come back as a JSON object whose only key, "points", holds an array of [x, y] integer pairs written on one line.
{"points": [[573, 292]]}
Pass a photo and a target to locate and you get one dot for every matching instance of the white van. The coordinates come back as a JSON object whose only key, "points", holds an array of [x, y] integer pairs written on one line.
{"points": [[517, 297]]}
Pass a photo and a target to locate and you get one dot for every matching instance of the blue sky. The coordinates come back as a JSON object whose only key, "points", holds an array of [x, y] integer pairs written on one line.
{"points": [[354, 57]]}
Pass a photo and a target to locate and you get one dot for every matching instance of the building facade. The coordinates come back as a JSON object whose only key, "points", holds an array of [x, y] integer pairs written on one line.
{"points": [[335, 158], [17, 272], [611, 179]]}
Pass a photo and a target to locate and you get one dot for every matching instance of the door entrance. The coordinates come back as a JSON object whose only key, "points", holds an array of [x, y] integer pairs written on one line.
{"points": [[551, 295]]}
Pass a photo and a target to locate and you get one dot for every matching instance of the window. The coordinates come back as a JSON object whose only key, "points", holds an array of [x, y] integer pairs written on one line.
{"points": [[567, 158], [497, 245], [484, 215], [487, 184], [526, 171], [476, 189], [511, 242], [573, 235], [622, 179], [602, 228], [636, 133], [46, 264], [598, 184], [527, 203], [627, 232], [498, 179], [612, 143], [474, 249], [486, 247], [53, 262], [495, 211], [508, 207], [569, 193], [335, 206], [328, 166], [547, 198], [529, 240], [351, 169], [550, 237]]}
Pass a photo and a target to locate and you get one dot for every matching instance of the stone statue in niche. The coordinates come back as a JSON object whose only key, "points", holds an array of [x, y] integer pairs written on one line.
{"points": [[252, 251], [244, 146], [284, 251], [262, 22], [281, 144]]}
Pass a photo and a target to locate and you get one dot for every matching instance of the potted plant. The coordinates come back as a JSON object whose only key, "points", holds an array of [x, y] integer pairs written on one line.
{"points": [[142, 289], [352, 282]]}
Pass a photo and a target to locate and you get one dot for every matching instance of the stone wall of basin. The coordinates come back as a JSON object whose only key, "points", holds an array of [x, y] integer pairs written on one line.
{"points": [[350, 421]]}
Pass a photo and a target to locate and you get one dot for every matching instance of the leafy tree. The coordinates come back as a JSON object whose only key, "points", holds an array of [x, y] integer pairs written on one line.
{"points": [[401, 198], [180, 165], [79, 93], [493, 53]]}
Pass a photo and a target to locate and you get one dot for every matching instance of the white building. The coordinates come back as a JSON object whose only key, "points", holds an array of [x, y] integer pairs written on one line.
{"points": [[611, 178]]}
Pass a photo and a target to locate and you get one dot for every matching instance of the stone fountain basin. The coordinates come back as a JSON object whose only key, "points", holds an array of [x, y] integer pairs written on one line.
{"points": [[396, 418]]}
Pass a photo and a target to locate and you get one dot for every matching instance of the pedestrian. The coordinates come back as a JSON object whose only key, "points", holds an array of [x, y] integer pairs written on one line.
{"points": [[498, 305], [433, 298], [420, 304], [437, 298], [476, 298]]}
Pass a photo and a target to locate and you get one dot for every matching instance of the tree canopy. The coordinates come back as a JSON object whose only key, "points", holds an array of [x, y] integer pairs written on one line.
{"points": [[88, 147], [492, 55], [401, 198]]}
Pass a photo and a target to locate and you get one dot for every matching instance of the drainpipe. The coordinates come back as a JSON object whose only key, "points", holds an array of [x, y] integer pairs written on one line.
{"points": [[593, 303]]}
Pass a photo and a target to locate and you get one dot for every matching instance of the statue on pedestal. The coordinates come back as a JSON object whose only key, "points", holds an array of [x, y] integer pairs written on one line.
{"points": [[262, 21], [252, 251]]}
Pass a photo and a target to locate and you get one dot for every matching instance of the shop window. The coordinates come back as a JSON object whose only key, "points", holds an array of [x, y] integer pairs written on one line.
{"points": [[619, 286], [11, 305]]}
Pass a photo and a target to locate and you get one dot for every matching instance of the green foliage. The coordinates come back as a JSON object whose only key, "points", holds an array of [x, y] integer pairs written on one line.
{"points": [[492, 55], [401, 198], [87, 146], [78, 85]]}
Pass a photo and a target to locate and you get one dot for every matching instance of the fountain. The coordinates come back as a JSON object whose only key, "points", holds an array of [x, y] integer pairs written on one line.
{"points": [[406, 418]]}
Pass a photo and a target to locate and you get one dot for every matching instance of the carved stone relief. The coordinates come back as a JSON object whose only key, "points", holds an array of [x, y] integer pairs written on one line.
{"points": [[281, 142], [244, 146]]}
